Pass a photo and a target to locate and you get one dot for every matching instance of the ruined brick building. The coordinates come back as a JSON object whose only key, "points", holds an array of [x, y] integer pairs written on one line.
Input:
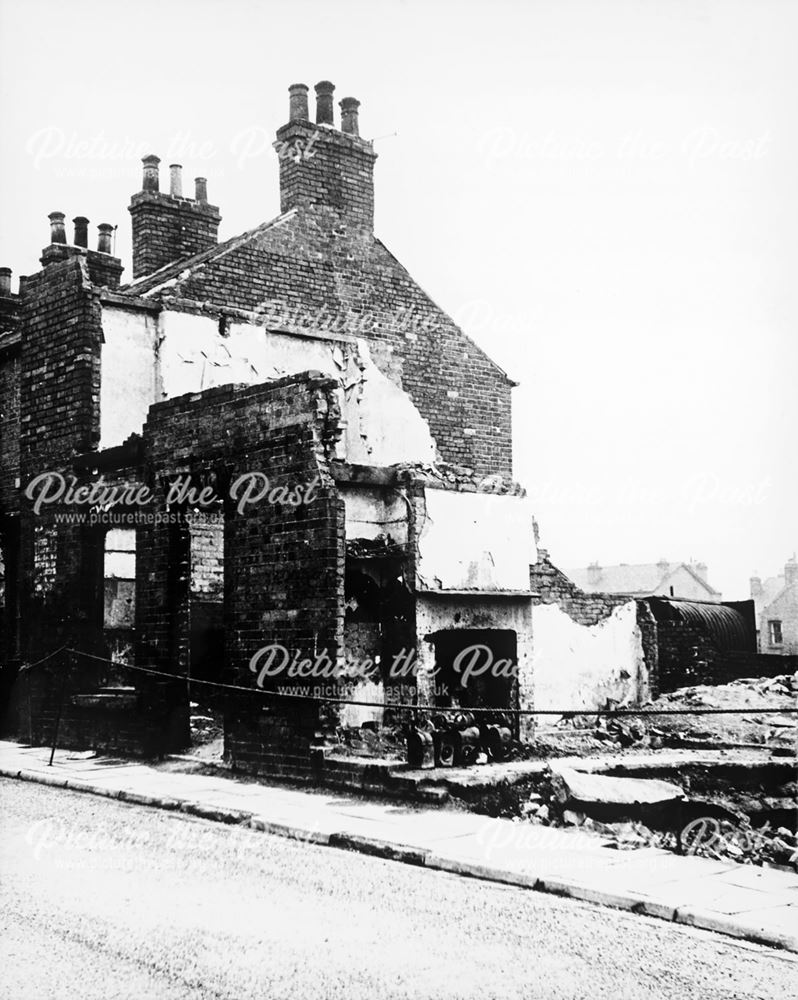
{"points": [[276, 451], [303, 352]]}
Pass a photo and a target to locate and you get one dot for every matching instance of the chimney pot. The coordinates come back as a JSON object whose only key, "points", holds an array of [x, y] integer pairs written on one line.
{"points": [[104, 239], [349, 122], [57, 231], [200, 189], [324, 102], [175, 180], [81, 231], [593, 574], [5, 281], [298, 103], [151, 181]]}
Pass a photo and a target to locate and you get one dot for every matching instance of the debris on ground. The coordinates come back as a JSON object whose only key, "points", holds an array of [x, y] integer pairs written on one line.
{"points": [[600, 732], [635, 812], [773, 731]]}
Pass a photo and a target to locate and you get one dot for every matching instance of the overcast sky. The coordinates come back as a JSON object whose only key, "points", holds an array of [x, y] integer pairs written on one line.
{"points": [[602, 193]]}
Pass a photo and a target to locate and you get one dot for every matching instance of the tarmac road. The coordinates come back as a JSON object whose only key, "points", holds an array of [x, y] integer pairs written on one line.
{"points": [[104, 900]]}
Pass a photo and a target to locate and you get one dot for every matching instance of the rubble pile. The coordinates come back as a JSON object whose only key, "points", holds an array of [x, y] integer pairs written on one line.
{"points": [[603, 733], [774, 731], [635, 813]]}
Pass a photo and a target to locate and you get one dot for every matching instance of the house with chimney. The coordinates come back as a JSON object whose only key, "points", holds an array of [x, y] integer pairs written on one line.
{"points": [[776, 602], [275, 442], [687, 580]]}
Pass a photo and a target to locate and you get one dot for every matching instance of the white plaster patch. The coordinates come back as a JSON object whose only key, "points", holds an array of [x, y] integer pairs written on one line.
{"points": [[371, 514], [581, 666], [128, 386], [383, 425], [476, 541]]}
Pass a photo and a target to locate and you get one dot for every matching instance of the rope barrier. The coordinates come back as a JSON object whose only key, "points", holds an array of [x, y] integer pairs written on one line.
{"points": [[517, 712], [44, 659]]}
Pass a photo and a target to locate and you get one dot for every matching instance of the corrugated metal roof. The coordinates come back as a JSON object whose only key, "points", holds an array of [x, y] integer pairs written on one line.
{"points": [[728, 627]]}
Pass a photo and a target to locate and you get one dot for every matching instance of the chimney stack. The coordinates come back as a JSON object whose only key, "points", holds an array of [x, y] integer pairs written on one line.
{"points": [[81, 224], [756, 586], [298, 103], [57, 230], [323, 167], [105, 233], [151, 179], [176, 180], [5, 282], [349, 124], [169, 227], [790, 572], [324, 102]]}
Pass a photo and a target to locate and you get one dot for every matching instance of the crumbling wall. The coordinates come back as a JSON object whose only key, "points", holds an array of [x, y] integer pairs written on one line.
{"points": [[283, 564], [588, 647], [584, 666], [285, 275], [550, 585], [192, 352]]}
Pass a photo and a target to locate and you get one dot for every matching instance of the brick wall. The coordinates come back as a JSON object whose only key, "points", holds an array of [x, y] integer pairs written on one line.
{"points": [[9, 429], [167, 228], [326, 167], [551, 586], [284, 566], [316, 271], [207, 559], [60, 565]]}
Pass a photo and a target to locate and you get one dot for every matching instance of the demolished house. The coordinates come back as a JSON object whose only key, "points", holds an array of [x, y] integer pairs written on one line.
{"points": [[272, 476], [258, 453]]}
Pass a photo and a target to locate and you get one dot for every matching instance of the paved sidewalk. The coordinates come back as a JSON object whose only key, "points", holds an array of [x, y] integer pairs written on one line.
{"points": [[758, 904]]}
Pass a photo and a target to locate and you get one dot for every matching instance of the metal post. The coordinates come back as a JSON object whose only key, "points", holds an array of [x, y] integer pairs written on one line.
{"points": [[60, 706]]}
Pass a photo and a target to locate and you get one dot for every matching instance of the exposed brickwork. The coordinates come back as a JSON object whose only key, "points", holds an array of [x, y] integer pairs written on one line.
{"points": [[284, 565], [60, 376], [326, 167], [319, 267], [315, 269], [681, 653], [9, 428], [166, 228], [551, 586], [207, 558], [59, 405]]}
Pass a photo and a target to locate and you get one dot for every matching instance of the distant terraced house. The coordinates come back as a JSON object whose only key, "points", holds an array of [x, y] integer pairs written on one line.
{"points": [[687, 580]]}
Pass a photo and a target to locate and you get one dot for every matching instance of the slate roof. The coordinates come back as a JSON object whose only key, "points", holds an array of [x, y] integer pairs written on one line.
{"points": [[639, 579]]}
